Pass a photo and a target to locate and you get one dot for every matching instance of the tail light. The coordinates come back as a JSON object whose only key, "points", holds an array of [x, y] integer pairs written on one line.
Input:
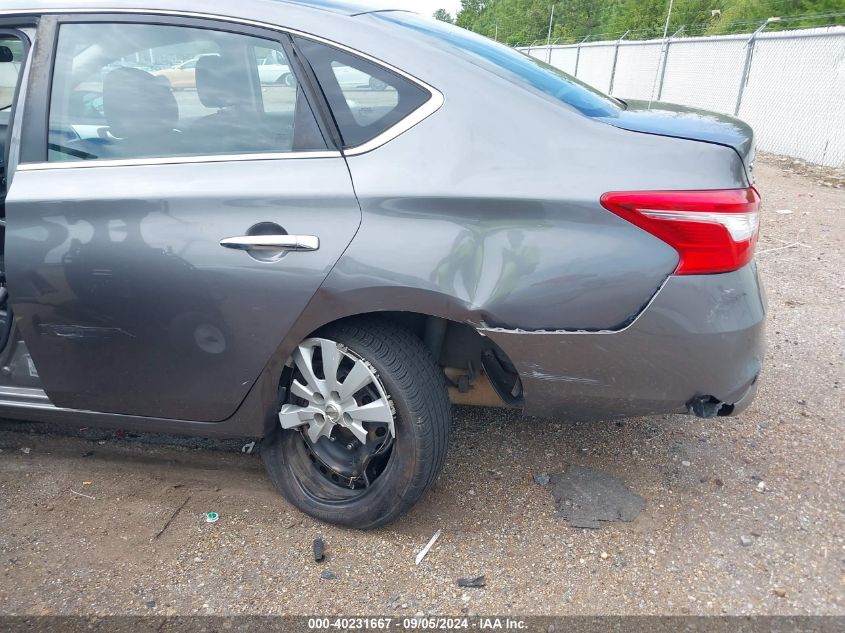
{"points": [[713, 231]]}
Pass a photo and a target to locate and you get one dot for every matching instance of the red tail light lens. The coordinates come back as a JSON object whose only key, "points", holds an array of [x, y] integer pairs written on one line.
{"points": [[713, 231]]}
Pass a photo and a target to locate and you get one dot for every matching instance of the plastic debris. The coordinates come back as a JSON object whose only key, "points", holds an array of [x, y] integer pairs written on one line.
{"points": [[474, 583], [212, 517], [248, 448], [319, 547], [425, 549], [81, 495], [26, 450], [586, 498]]}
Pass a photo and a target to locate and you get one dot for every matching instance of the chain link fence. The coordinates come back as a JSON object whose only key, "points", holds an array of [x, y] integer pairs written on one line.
{"points": [[789, 85]]}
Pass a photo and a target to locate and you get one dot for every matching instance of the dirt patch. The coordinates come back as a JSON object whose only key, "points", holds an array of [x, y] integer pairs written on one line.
{"points": [[586, 498]]}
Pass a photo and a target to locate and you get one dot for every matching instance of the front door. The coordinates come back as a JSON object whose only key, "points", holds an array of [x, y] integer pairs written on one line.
{"points": [[162, 236]]}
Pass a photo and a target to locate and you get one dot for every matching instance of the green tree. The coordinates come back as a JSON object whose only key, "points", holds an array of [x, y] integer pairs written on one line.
{"points": [[525, 21], [444, 16]]}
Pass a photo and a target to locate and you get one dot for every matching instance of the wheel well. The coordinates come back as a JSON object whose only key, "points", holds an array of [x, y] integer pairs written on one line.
{"points": [[477, 369]]}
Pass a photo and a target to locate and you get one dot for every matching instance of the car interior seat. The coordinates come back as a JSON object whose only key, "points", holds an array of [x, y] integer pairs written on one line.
{"points": [[142, 116], [224, 84]]}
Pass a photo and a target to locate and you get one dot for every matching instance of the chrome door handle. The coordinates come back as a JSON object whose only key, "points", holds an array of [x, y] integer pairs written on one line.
{"points": [[272, 242]]}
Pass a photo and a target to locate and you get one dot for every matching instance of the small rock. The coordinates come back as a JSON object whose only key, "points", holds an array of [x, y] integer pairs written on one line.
{"points": [[756, 534], [746, 540], [319, 547], [780, 593], [542, 479], [685, 463], [471, 492], [475, 583], [718, 482], [604, 555], [328, 575], [26, 450], [762, 487], [150, 604]]}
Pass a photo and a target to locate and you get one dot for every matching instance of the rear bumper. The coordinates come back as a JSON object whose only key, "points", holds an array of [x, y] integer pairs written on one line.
{"points": [[701, 335]]}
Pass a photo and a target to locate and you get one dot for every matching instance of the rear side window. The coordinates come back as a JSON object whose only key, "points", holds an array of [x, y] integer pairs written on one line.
{"points": [[512, 65], [130, 91], [366, 99]]}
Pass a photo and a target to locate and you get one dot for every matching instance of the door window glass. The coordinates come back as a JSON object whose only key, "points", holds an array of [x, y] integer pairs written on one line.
{"points": [[11, 60], [366, 99], [123, 91]]}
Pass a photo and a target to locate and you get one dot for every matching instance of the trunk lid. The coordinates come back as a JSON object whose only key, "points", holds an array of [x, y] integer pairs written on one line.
{"points": [[668, 119]]}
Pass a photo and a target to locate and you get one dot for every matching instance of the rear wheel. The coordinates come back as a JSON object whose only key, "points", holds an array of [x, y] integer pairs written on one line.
{"points": [[364, 428]]}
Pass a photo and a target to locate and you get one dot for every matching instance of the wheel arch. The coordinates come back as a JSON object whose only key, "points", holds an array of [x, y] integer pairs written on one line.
{"points": [[464, 353]]}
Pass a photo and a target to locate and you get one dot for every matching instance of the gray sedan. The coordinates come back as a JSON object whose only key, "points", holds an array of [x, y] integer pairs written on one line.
{"points": [[328, 264]]}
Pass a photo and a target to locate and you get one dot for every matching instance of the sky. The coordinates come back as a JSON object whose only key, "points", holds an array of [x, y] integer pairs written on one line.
{"points": [[423, 7]]}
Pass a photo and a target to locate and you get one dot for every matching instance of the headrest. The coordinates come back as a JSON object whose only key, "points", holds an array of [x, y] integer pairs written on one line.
{"points": [[6, 55], [137, 103], [222, 82]]}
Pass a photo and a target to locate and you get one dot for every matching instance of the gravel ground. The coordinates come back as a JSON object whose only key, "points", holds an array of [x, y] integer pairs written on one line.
{"points": [[742, 515]]}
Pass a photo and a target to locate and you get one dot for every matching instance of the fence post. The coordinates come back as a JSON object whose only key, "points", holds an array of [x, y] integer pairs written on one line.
{"points": [[615, 57], [578, 55], [746, 69], [666, 59], [549, 56]]}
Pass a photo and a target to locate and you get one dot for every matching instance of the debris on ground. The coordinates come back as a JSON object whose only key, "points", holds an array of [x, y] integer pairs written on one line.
{"points": [[211, 517], [746, 540], [26, 450], [425, 549], [79, 494], [248, 448], [172, 516], [474, 583], [319, 547], [585, 497], [328, 575], [542, 479]]}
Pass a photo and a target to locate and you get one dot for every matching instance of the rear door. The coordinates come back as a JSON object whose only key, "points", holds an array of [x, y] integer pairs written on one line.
{"points": [[162, 239]]}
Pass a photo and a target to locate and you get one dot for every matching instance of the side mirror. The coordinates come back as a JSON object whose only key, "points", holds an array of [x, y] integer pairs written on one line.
{"points": [[6, 55]]}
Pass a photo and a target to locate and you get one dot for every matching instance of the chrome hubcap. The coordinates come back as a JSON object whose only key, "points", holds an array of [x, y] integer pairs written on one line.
{"points": [[330, 389]]}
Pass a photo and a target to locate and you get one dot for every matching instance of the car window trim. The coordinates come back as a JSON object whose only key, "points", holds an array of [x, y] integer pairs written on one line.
{"points": [[178, 160], [77, 14]]}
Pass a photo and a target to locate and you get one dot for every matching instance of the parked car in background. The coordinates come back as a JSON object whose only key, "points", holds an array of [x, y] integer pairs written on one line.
{"points": [[273, 69], [183, 75], [329, 264]]}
